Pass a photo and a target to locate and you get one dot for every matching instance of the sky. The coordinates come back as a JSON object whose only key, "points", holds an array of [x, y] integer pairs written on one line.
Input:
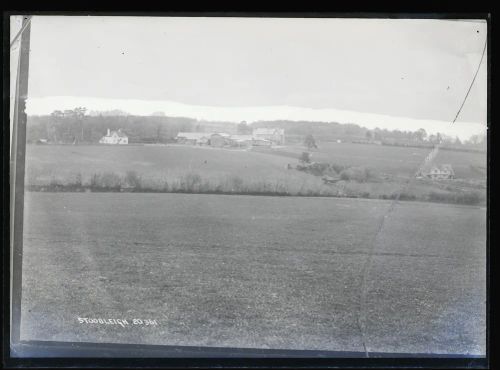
{"points": [[382, 71]]}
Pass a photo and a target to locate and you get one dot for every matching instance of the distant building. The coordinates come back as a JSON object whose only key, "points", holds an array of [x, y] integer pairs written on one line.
{"points": [[193, 138], [445, 172], [275, 135], [219, 140], [261, 142], [241, 140], [260, 137], [114, 137]]}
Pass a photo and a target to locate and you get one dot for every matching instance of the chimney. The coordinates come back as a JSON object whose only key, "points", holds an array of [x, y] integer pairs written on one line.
{"points": [[108, 132]]}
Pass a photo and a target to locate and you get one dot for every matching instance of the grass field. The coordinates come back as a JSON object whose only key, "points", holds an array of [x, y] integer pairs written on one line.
{"points": [[398, 161], [176, 168], [170, 160], [253, 272]]}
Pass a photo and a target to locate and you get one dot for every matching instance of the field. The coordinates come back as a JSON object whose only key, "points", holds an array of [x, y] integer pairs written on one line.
{"points": [[205, 169], [252, 272]]}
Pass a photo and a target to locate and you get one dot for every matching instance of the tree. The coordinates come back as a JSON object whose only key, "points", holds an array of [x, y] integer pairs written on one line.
{"points": [[439, 138], [243, 128], [309, 142], [421, 134], [305, 157], [369, 135]]}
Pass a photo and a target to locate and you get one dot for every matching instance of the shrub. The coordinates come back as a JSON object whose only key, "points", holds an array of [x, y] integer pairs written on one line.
{"points": [[78, 179], [407, 196], [305, 157], [133, 179], [236, 183], [107, 180], [359, 174], [337, 167], [468, 198], [190, 182], [318, 169]]}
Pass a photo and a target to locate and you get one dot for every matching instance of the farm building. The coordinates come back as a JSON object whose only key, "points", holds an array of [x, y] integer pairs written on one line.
{"points": [[261, 142], [275, 135], [193, 138], [444, 172], [114, 137], [219, 139], [241, 140]]}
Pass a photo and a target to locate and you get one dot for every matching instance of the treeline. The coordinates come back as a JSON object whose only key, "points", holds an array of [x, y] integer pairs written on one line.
{"points": [[75, 127]]}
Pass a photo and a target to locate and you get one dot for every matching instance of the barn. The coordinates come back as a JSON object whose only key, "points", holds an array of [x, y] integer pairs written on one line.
{"points": [[193, 138], [241, 141], [275, 135], [219, 140]]}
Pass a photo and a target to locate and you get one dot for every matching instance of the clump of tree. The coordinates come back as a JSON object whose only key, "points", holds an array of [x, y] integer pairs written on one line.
{"points": [[305, 157], [243, 128], [76, 126], [358, 174], [309, 142]]}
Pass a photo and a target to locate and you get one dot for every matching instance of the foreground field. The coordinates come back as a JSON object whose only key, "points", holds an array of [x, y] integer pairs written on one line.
{"points": [[253, 272]]}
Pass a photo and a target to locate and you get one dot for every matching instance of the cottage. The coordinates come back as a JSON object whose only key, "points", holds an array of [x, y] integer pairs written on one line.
{"points": [[445, 172], [193, 138], [114, 137], [275, 135]]}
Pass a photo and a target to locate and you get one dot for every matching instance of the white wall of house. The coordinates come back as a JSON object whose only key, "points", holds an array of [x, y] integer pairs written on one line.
{"points": [[114, 138]]}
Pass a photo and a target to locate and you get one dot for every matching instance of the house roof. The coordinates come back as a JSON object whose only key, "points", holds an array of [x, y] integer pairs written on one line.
{"points": [[221, 134], [443, 169], [118, 133], [193, 135], [269, 131], [241, 137]]}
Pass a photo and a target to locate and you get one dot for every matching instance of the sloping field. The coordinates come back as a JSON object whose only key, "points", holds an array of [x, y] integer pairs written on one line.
{"points": [[64, 162], [253, 272], [390, 159]]}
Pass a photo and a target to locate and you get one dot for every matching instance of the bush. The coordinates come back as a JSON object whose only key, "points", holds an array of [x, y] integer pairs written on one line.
{"points": [[236, 183], [133, 179], [407, 196], [190, 182], [78, 179], [468, 198], [337, 167], [359, 174], [305, 157], [108, 180]]}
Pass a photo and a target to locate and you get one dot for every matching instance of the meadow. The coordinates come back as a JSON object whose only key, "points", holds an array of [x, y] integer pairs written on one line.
{"points": [[254, 272], [178, 168]]}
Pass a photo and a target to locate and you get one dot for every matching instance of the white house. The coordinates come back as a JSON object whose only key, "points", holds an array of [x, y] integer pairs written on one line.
{"points": [[444, 172], [275, 135], [114, 137]]}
